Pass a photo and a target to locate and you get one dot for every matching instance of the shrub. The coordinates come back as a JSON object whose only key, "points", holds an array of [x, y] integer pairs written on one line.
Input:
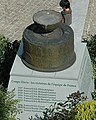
{"points": [[8, 104], [3, 44], [93, 95], [8, 52], [63, 111], [76, 107], [91, 45], [8, 109], [86, 111]]}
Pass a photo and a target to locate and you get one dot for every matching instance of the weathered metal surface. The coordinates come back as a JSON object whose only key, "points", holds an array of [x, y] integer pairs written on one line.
{"points": [[48, 19], [52, 51]]}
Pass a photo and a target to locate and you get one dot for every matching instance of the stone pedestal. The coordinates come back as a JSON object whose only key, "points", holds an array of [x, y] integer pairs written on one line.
{"points": [[38, 90]]}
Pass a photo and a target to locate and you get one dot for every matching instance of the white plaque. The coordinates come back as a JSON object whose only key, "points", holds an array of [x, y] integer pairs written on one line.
{"points": [[36, 94]]}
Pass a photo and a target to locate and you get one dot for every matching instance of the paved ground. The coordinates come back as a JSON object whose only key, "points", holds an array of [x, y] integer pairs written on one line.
{"points": [[15, 15], [90, 22]]}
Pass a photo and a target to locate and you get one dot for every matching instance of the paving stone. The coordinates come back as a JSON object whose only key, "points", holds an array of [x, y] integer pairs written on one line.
{"points": [[90, 24], [15, 15]]}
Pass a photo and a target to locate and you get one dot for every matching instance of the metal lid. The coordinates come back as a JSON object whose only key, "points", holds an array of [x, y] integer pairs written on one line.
{"points": [[49, 19]]}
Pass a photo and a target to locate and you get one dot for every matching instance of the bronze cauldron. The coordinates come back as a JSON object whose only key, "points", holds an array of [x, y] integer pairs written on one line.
{"points": [[48, 44]]}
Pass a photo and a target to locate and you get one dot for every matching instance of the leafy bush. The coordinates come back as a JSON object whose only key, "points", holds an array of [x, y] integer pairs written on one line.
{"points": [[86, 111], [8, 109], [94, 72], [76, 107], [63, 111], [91, 45], [93, 94], [8, 104], [3, 44], [8, 52]]}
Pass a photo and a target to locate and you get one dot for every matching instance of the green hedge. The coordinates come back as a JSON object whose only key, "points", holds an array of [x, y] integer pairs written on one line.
{"points": [[8, 104], [8, 52], [8, 109], [91, 45]]}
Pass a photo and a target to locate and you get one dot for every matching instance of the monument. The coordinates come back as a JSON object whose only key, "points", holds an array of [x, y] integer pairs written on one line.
{"points": [[48, 67], [48, 44]]}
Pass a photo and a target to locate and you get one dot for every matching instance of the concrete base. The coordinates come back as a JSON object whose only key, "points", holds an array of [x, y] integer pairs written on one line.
{"points": [[38, 90]]}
